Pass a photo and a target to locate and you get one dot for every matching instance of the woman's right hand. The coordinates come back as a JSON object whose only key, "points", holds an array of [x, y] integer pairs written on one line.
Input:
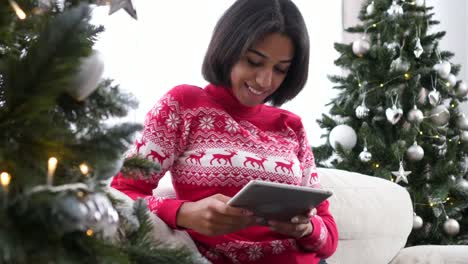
{"points": [[213, 217]]}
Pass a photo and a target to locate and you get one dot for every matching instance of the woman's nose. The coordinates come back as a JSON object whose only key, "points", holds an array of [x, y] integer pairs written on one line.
{"points": [[265, 78]]}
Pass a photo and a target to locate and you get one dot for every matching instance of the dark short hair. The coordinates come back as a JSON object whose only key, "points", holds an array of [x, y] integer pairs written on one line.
{"points": [[248, 21]]}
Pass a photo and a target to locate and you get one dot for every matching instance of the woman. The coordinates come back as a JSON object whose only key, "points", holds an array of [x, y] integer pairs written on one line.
{"points": [[215, 140]]}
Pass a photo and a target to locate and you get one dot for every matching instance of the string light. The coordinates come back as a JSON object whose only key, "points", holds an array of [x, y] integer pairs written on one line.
{"points": [[19, 12], [52, 165], [89, 232], [84, 169], [381, 85], [407, 76], [5, 179]]}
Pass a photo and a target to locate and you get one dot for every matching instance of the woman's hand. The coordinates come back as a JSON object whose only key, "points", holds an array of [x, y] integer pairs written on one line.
{"points": [[299, 226], [213, 217]]}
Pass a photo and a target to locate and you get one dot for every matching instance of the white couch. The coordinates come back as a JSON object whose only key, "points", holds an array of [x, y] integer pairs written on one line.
{"points": [[374, 218]]}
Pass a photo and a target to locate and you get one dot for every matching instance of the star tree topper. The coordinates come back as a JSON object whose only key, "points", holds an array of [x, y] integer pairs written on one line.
{"points": [[401, 174], [116, 5]]}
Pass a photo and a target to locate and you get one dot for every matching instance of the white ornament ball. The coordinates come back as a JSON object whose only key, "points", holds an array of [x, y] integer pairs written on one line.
{"points": [[464, 136], [422, 96], [440, 115], [451, 227], [415, 115], [415, 152], [365, 156], [434, 97], [343, 135], [399, 64], [406, 126], [370, 9], [452, 179], [462, 89], [452, 80], [443, 68], [417, 222], [462, 185], [87, 78], [462, 122], [361, 46], [419, 2]]}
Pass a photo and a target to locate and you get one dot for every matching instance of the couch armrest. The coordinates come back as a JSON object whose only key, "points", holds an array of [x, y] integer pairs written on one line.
{"points": [[374, 216], [161, 233], [433, 255]]}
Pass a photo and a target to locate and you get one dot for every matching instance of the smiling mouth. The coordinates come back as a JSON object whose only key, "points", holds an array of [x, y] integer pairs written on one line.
{"points": [[254, 91]]}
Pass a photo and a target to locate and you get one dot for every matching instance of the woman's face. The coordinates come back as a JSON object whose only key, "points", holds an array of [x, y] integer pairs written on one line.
{"points": [[262, 69]]}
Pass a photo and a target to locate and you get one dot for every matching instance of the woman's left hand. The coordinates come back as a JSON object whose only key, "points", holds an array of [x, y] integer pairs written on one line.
{"points": [[299, 226]]}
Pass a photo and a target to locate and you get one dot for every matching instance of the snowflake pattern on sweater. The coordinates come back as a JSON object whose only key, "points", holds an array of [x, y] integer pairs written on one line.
{"points": [[212, 144]]}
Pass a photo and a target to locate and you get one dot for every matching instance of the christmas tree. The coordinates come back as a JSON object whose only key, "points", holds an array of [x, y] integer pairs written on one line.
{"points": [[56, 149], [397, 116]]}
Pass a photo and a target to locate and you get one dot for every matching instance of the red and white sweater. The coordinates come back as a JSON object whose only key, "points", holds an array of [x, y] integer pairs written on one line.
{"points": [[211, 143]]}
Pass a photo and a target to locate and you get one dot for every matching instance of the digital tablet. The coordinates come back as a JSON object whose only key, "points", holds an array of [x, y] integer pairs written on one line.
{"points": [[278, 201]]}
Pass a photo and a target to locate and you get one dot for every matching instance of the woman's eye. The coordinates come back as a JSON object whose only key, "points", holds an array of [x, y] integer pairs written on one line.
{"points": [[282, 71], [253, 63]]}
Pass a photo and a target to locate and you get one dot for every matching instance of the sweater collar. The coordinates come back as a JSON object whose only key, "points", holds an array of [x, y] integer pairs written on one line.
{"points": [[229, 101]]}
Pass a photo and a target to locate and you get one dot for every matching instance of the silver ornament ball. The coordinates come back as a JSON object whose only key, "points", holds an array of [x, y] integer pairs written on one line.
{"points": [[440, 115], [343, 135], [362, 111], [415, 152], [361, 46], [415, 115], [462, 89], [462, 122], [452, 80], [417, 222], [464, 136], [443, 68], [451, 227], [71, 213]]}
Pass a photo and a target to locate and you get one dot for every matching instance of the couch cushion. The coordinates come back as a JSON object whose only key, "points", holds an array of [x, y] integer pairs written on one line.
{"points": [[374, 216], [433, 255]]}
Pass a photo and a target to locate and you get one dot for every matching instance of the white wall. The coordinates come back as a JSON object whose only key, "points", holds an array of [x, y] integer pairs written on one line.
{"points": [[165, 47], [453, 20]]}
